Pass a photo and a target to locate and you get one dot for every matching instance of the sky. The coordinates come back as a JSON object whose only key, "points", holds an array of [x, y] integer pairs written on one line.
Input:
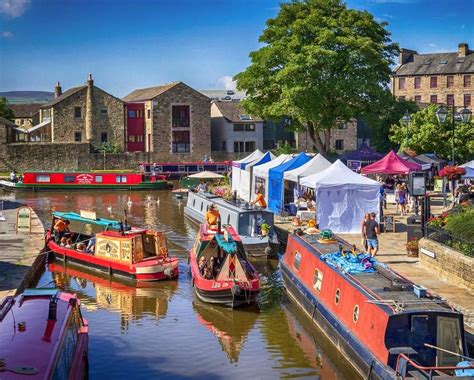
{"points": [[129, 44]]}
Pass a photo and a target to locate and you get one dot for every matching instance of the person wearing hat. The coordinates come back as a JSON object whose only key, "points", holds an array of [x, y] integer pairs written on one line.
{"points": [[212, 216]]}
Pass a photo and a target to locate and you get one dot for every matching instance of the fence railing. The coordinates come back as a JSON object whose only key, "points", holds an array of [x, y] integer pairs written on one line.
{"points": [[441, 236]]}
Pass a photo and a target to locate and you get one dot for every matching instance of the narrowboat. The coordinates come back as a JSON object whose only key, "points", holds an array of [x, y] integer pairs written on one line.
{"points": [[43, 336], [387, 326], [90, 180], [220, 271], [244, 218], [118, 249], [176, 170]]}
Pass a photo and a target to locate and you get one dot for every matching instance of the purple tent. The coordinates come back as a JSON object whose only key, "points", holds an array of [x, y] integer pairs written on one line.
{"points": [[365, 154]]}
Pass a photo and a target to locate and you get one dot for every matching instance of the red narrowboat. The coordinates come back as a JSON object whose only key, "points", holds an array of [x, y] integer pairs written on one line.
{"points": [[384, 324], [118, 249], [43, 336], [91, 180], [176, 170], [220, 271]]}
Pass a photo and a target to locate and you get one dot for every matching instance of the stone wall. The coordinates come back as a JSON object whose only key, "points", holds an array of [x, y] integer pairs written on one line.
{"points": [[454, 267], [200, 123]]}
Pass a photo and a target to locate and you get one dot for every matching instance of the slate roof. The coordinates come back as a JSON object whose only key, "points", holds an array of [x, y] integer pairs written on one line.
{"points": [[63, 96], [24, 110], [148, 93], [232, 111], [7, 122], [437, 64]]}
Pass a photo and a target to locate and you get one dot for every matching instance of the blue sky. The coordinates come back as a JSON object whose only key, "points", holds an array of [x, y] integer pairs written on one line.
{"points": [[130, 44]]}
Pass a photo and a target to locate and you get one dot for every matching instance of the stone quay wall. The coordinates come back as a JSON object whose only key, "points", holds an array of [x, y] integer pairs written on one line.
{"points": [[449, 264]]}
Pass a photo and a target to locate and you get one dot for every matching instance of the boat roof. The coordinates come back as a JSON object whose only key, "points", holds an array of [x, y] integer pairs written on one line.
{"points": [[230, 205], [72, 216], [97, 172], [36, 344], [384, 287]]}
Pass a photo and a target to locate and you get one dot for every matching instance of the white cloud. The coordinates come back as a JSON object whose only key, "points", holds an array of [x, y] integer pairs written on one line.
{"points": [[227, 82], [6, 34], [432, 45], [14, 8], [387, 15]]}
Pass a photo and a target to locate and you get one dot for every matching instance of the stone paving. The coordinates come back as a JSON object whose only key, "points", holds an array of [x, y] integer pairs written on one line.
{"points": [[17, 251]]}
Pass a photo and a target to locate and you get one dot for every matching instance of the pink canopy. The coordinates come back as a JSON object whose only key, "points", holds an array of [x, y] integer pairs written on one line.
{"points": [[391, 164]]}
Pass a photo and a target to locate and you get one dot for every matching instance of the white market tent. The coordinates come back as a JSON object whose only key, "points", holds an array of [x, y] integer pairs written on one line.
{"points": [[316, 165], [261, 171], [246, 176], [342, 197], [237, 166], [469, 164]]}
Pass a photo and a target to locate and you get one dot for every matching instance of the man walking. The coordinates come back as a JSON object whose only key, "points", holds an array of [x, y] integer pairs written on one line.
{"points": [[371, 230]]}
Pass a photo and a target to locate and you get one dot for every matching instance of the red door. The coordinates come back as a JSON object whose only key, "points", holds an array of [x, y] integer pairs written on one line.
{"points": [[135, 127]]}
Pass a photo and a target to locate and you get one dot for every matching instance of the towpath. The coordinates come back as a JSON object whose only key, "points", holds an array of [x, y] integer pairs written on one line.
{"points": [[17, 251]]}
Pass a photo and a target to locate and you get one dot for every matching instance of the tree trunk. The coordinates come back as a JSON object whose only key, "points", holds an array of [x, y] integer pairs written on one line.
{"points": [[316, 139], [327, 140]]}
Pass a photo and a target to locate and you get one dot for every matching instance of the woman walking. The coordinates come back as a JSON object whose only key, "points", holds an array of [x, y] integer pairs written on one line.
{"points": [[402, 199]]}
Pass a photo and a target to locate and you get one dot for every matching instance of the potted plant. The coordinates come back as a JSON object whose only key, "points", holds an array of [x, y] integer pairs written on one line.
{"points": [[412, 247]]}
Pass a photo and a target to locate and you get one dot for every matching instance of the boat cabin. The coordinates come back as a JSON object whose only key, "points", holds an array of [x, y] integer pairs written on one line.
{"points": [[181, 169]]}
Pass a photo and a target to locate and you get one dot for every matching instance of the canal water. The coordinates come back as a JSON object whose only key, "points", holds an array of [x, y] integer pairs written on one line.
{"points": [[161, 330]]}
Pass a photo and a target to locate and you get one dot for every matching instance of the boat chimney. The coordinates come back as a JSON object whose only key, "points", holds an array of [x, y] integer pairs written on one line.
{"points": [[219, 230], [234, 197], [53, 307]]}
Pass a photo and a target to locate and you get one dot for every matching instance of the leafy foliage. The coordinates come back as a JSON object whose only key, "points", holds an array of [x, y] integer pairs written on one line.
{"points": [[108, 148], [426, 134], [5, 112], [461, 225], [321, 63], [284, 149]]}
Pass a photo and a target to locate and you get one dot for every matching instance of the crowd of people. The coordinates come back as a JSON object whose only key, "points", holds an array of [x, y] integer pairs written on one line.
{"points": [[65, 238]]}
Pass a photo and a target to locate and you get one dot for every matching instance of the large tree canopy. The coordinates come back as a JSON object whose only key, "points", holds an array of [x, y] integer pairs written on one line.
{"points": [[320, 63], [427, 135]]}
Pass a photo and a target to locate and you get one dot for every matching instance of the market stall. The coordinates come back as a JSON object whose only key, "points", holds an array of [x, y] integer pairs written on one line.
{"points": [[238, 166], [391, 164], [260, 172], [246, 176], [363, 156]]}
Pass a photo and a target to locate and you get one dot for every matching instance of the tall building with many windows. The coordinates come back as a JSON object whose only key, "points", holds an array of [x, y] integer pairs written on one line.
{"points": [[439, 78]]}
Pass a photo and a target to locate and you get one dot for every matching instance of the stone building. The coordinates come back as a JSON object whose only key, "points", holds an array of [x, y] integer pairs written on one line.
{"points": [[177, 121], [25, 115], [234, 131], [83, 114], [445, 78], [343, 138]]}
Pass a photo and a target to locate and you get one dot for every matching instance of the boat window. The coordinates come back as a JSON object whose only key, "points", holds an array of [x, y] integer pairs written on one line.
{"points": [[297, 261], [221, 168], [98, 179], [194, 202], [228, 218], [355, 314], [121, 179], [64, 363], [69, 178], [181, 168], [317, 280], [202, 204], [200, 168], [337, 297], [43, 178]]}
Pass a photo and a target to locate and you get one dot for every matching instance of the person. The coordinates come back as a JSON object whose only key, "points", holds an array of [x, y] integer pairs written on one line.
{"points": [[259, 199], [296, 194], [205, 159], [81, 247], [211, 160], [213, 266], [397, 197], [402, 199], [202, 186], [389, 183], [13, 176], [20, 179], [91, 244], [63, 241], [207, 274], [371, 231], [202, 263], [212, 216], [60, 228], [364, 237], [68, 243]]}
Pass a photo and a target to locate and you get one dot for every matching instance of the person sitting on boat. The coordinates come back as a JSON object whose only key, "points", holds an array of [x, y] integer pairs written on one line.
{"points": [[81, 247], [207, 274], [69, 243], [212, 216], [61, 228], [259, 199], [202, 187], [20, 179], [91, 244], [63, 241], [13, 176], [213, 266], [202, 263]]}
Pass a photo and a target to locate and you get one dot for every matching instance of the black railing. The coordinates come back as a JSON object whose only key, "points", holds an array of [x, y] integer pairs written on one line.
{"points": [[441, 236]]}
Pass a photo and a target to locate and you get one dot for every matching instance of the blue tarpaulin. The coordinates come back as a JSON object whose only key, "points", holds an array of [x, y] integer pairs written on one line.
{"points": [[264, 159], [349, 263], [72, 216], [275, 175], [228, 246]]}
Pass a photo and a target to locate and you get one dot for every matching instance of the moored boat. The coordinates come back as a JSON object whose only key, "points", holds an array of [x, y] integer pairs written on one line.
{"points": [[220, 271], [119, 250], [381, 321], [175, 170], [43, 336], [245, 219]]}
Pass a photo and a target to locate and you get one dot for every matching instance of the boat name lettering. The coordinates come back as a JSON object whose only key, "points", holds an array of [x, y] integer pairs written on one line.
{"points": [[84, 178]]}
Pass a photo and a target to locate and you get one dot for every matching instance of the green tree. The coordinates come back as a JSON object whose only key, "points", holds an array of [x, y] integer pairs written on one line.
{"points": [[321, 62], [427, 135], [5, 112]]}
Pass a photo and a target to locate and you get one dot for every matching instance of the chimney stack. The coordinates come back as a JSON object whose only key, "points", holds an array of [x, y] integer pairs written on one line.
{"points": [[58, 90], [90, 81], [463, 49], [406, 56], [89, 109]]}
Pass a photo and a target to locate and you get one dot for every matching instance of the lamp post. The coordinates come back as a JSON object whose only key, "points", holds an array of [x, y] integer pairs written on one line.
{"points": [[463, 116], [405, 121]]}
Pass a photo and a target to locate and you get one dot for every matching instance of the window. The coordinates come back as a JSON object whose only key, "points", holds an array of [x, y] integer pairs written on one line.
{"points": [[131, 114], [139, 113], [77, 112], [341, 125], [467, 100], [69, 178], [224, 147], [339, 145], [139, 138], [317, 280], [22, 122], [249, 127], [449, 81], [43, 178], [417, 82], [434, 99], [245, 117], [180, 116], [433, 82], [238, 146], [467, 81], [98, 179], [337, 297], [249, 146], [77, 136], [450, 100], [121, 179], [297, 261], [181, 141], [131, 138], [181, 168], [103, 137], [418, 99], [200, 168], [238, 127], [355, 314], [103, 112], [401, 83], [148, 113]]}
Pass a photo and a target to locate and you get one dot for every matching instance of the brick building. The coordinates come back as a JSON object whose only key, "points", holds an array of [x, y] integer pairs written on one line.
{"points": [[176, 118], [82, 114], [445, 78]]}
